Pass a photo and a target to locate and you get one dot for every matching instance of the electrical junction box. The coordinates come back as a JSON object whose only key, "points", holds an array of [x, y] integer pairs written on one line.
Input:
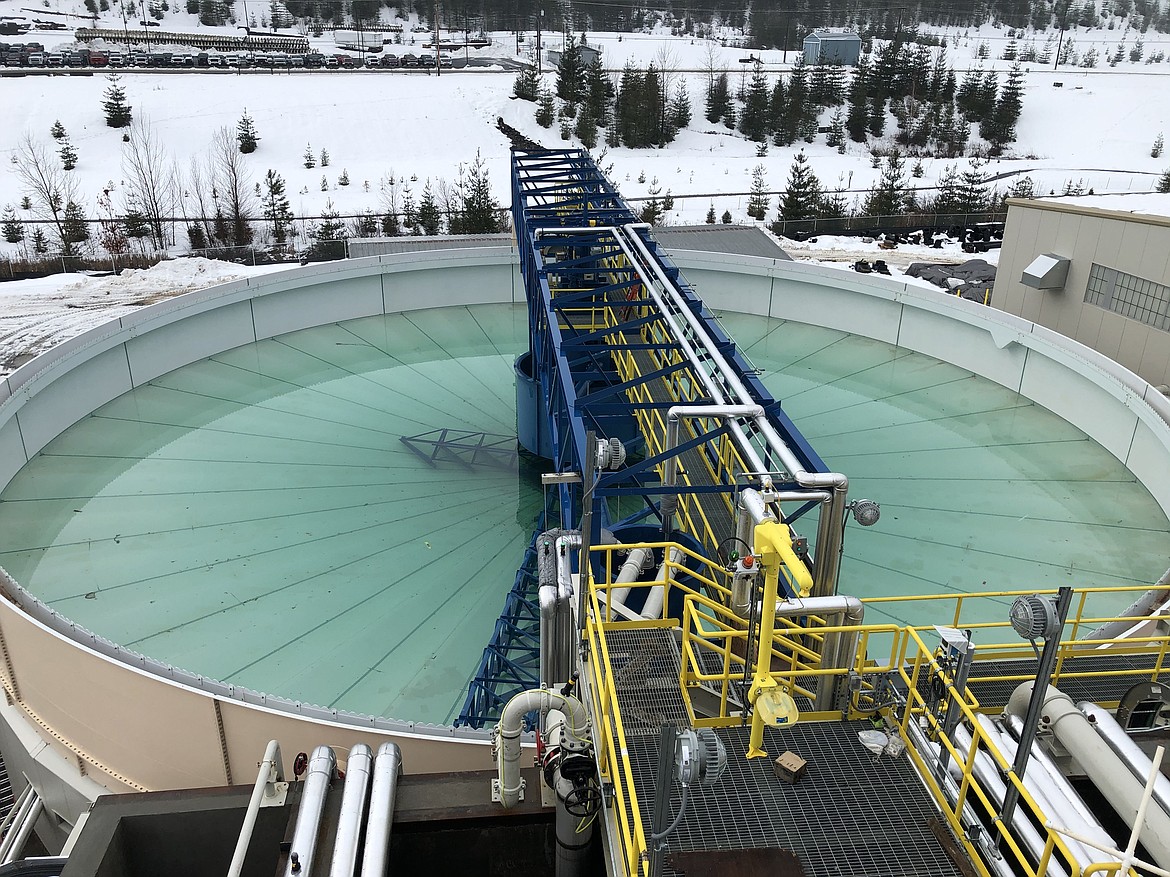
{"points": [[790, 767]]}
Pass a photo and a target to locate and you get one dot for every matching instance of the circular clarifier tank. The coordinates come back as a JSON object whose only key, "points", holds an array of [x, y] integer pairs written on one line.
{"points": [[256, 517]]}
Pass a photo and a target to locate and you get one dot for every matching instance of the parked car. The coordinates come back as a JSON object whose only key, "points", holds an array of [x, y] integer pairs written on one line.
{"points": [[331, 62], [281, 62], [409, 61], [314, 61], [36, 59], [389, 61], [117, 59], [296, 60], [98, 59], [54, 59], [346, 61], [426, 60]]}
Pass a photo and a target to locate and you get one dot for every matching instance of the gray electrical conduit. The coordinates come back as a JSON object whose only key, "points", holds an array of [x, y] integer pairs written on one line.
{"points": [[353, 804], [383, 790], [511, 726], [322, 764]]}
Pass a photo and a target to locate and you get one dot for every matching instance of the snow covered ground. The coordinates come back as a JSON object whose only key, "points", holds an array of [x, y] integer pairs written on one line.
{"points": [[1095, 131]]}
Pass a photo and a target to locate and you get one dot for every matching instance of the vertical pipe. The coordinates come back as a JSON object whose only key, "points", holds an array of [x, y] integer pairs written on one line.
{"points": [[655, 600], [271, 771], [322, 765], [353, 806], [383, 791]]}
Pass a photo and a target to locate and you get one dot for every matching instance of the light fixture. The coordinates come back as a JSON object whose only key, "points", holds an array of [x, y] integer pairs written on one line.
{"points": [[699, 757], [865, 511]]}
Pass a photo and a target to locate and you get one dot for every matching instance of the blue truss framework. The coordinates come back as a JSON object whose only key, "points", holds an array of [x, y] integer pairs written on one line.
{"points": [[564, 210]]}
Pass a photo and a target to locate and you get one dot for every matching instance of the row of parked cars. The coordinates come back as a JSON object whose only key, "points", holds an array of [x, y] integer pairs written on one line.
{"points": [[34, 55]]}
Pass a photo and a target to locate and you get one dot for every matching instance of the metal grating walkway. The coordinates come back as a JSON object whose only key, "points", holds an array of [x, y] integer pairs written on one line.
{"points": [[645, 672], [992, 682], [850, 815]]}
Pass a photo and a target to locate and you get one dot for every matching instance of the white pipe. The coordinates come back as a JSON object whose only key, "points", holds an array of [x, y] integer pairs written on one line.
{"points": [[1108, 772], [17, 806], [383, 791], [1052, 799], [353, 806], [19, 812], [271, 771], [23, 829], [986, 771], [511, 726], [1145, 866], [636, 561], [657, 596], [1015, 729], [1128, 858], [1127, 750], [304, 842]]}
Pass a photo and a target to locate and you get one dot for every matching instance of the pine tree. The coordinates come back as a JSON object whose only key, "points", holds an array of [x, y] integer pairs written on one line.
{"points": [[527, 84], [330, 228], [546, 109], [68, 155], [598, 93], [58, 130], [1156, 149], [324, 183], [586, 128], [1164, 183], [890, 196], [802, 194], [973, 194], [718, 98], [428, 214], [11, 227], [26, 203], [569, 72], [275, 206], [726, 217], [758, 194], [1000, 127], [711, 214], [343, 180], [679, 112], [324, 158], [40, 242], [836, 135], [857, 116], [753, 121], [310, 159], [118, 112], [246, 134], [74, 230], [481, 213]]}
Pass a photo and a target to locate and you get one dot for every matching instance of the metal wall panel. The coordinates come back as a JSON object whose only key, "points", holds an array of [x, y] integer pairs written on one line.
{"points": [[189, 340]]}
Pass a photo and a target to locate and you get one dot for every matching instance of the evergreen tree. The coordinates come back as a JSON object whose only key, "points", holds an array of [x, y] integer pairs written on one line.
{"points": [[802, 194], [679, 111], [718, 98], [586, 128], [753, 121], [857, 116], [40, 242], [570, 72], [758, 194], [310, 159], [836, 135], [527, 85], [58, 130], [481, 213], [330, 228], [875, 121], [118, 112], [546, 109], [246, 134], [74, 230], [711, 214], [974, 196], [389, 225], [25, 203], [652, 210], [1156, 149], [324, 183], [343, 180], [429, 217], [891, 195], [11, 227], [726, 217], [275, 206], [1003, 118], [1163, 183], [947, 199], [598, 93], [777, 107], [1022, 188], [324, 158], [68, 155]]}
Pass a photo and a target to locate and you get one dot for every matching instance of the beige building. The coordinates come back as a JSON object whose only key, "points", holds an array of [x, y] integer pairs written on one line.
{"points": [[1105, 283]]}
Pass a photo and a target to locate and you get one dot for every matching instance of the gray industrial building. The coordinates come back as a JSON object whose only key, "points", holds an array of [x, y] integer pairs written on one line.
{"points": [[832, 47], [1098, 276]]}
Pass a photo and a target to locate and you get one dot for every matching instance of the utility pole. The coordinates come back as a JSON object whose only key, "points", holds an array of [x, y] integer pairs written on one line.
{"points": [[539, 22], [438, 66], [1059, 40]]}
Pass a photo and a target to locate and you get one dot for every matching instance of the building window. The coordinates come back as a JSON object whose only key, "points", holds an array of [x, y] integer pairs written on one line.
{"points": [[1133, 297]]}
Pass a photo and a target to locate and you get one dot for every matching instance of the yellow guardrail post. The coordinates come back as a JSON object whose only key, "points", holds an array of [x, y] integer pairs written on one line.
{"points": [[774, 545]]}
